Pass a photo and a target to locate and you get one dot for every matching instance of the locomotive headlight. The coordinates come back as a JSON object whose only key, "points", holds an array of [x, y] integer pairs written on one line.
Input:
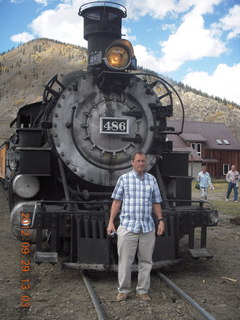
{"points": [[117, 58], [26, 186], [119, 55]]}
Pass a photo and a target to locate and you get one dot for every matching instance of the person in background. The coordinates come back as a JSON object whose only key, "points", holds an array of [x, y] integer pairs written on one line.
{"points": [[232, 178], [205, 182], [137, 194]]}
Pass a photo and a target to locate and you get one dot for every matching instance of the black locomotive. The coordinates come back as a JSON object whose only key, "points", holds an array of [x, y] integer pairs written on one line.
{"points": [[70, 148]]}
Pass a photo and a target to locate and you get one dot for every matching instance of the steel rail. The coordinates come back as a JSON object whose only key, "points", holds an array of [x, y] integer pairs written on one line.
{"points": [[94, 297], [185, 297]]}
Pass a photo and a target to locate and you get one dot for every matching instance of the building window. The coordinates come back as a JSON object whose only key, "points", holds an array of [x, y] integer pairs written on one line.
{"points": [[219, 141], [197, 147], [225, 169], [226, 141]]}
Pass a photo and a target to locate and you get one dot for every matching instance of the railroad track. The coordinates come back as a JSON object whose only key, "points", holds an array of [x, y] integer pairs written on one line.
{"points": [[93, 295], [194, 309]]}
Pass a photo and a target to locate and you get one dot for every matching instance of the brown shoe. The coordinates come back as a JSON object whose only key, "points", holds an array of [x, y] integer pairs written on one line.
{"points": [[122, 297], [144, 296]]}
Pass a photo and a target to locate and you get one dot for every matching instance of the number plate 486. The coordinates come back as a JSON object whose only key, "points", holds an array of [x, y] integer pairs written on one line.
{"points": [[114, 125]]}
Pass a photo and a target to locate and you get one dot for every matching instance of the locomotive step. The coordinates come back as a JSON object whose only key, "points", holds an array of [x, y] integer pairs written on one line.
{"points": [[51, 257], [200, 253]]}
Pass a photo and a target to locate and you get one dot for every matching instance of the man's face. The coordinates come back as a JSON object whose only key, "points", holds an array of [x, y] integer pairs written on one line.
{"points": [[139, 163]]}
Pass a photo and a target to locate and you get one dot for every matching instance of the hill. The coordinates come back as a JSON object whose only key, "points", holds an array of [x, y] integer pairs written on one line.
{"points": [[25, 70]]}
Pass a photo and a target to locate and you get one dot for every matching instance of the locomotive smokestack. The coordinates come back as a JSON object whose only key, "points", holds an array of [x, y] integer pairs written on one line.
{"points": [[102, 23]]}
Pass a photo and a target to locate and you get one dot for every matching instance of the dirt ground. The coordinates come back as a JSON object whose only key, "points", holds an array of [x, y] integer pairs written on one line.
{"points": [[59, 294]]}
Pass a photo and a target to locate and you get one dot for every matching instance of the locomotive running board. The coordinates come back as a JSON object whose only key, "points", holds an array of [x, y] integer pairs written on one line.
{"points": [[200, 253]]}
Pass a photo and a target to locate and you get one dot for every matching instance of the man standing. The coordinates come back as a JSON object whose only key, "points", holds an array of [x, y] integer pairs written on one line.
{"points": [[232, 178], [138, 193]]}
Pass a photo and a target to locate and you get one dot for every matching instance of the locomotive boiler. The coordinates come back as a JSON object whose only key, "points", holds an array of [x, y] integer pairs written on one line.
{"points": [[69, 149]]}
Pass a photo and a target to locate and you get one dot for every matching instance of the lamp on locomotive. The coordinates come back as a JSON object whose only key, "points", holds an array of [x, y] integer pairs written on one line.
{"points": [[119, 55]]}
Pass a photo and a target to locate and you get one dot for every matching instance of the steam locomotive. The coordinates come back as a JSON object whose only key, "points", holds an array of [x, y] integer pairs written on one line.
{"points": [[69, 149]]}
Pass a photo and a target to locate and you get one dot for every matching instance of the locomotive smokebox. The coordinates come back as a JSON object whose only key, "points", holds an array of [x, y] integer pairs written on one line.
{"points": [[102, 23]]}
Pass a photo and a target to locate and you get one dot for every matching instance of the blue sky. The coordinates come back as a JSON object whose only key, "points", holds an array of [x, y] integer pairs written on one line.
{"points": [[196, 42]]}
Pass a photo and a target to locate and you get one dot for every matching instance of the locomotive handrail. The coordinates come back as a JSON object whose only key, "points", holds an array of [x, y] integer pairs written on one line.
{"points": [[164, 82], [201, 202], [42, 202], [103, 3], [48, 88], [161, 185]]}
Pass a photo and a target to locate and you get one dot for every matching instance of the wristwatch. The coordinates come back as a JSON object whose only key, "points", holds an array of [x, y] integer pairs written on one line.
{"points": [[161, 219]]}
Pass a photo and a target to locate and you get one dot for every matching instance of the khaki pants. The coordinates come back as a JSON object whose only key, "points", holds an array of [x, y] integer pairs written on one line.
{"points": [[128, 244]]}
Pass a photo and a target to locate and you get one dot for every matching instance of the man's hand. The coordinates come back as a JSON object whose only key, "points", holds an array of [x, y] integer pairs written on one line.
{"points": [[116, 204], [110, 228], [160, 228]]}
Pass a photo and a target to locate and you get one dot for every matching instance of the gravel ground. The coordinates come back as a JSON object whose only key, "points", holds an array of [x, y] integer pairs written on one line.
{"points": [[59, 294]]}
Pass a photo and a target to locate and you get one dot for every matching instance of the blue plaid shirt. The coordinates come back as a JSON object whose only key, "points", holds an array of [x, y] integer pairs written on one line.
{"points": [[137, 195]]}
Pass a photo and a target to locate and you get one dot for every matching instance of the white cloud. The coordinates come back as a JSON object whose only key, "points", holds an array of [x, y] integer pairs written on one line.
{"points": [[22, 37], [222, 83], [154, 8], [160, 9], [126, 34], [146, 58], [63, 24], [231, 22], [42, 2], [204, 6], [190, 42], [171, 27], [16, 1]]}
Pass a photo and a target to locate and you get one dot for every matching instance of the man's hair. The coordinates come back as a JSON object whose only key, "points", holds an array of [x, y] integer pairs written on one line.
{"points": [[137, 152]]}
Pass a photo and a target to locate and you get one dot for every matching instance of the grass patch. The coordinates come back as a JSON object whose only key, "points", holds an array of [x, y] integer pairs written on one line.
{"points": [[218, 198], [224, 207]]}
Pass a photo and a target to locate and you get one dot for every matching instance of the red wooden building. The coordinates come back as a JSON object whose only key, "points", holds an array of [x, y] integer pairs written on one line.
{"points": [[208, 143]]}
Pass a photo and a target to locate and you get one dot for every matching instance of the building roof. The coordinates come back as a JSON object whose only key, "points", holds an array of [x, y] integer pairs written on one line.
{"points": [[193, 137], [215, 135], [180, 145]]}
